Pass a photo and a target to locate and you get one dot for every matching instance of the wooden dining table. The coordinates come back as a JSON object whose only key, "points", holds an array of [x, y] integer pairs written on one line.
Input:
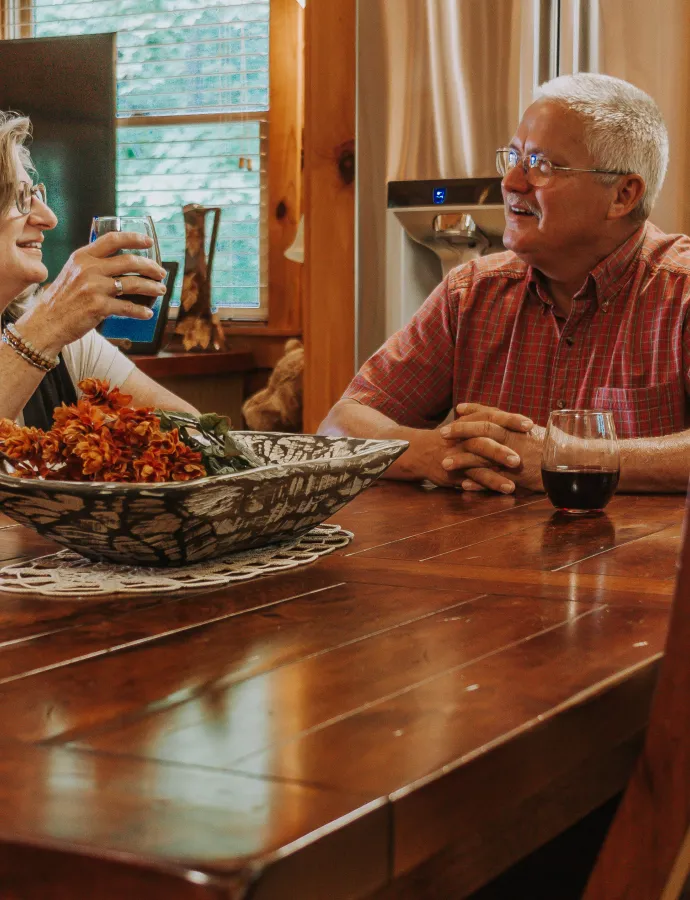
{"points": [[404, 718]]}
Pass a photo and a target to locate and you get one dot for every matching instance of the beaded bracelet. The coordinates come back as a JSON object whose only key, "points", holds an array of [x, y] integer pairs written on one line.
{"points": [[26, 349], [24, 356]]}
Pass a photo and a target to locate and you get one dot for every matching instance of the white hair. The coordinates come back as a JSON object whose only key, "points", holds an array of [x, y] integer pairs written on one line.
{"points": [[624, 128]]}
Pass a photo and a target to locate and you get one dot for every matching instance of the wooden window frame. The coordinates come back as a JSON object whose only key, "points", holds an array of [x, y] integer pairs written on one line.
{"points": [[286, 68], [227, 314]]}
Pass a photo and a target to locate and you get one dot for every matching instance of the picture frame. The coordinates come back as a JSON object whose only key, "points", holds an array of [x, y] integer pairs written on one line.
{"points": [[136, 336]]}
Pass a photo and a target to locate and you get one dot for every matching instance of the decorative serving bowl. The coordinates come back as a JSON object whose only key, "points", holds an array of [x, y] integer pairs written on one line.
{"points": [[305, 479]]}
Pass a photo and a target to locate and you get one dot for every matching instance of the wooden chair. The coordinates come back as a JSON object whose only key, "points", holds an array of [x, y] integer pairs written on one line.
{"points": [[646, 854]]}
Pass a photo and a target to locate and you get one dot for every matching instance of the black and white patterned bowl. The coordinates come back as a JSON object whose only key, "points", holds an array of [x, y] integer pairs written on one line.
{"points": [[305, 479]]}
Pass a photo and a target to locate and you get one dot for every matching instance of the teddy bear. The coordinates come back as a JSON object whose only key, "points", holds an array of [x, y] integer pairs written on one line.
{"points": [[278, 406]]}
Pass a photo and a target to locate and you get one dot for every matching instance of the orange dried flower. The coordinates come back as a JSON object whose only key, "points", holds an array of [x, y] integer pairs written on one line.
{"points": [[100, 438], [97, 452], [52, 448], [101, 394], [165, 442], [73, 422], [24, 444], [151, 467], [7, 427], [137, 425], [186, 470]]}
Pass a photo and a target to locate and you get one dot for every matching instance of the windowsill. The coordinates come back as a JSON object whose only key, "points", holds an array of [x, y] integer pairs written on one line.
{"points": [[251, 329], [204, 362], [262, 345], [256, 329]]}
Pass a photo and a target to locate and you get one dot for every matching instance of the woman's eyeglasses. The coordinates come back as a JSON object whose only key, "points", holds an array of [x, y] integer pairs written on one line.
{"points": [[26, 193], [537, 168]]}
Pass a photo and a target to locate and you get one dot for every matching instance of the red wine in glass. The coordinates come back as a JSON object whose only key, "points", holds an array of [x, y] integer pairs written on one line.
{"points": [[580, 462], [583, 489]]}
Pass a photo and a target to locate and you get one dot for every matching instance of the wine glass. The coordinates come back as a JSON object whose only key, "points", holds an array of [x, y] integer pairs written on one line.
{"points": [[141, 225], [580, 463]]}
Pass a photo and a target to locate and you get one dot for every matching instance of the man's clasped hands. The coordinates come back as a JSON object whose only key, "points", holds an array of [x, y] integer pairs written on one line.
{"points": [[485, 448]]}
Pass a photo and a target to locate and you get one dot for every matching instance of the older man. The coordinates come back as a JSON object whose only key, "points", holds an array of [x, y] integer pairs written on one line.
{"points": [[588, 308]]}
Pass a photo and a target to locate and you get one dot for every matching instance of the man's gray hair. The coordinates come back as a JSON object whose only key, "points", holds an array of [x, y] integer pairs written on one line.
{"points": [[625, 131]]}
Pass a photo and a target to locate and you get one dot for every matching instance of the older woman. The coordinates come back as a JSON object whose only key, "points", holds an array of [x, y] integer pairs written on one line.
{"points": [[48, 340]]}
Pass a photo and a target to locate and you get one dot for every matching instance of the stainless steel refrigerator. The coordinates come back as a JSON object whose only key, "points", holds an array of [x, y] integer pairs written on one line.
{"points": [[442, 83]]}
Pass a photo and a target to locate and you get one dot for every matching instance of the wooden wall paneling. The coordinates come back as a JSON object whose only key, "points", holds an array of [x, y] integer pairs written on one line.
{"points": [[329, 200], [373, 104], [286, 105]]}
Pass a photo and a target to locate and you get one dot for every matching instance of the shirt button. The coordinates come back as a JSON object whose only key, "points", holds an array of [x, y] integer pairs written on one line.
{"points": [[604, 307], [570, 341], [561, 404]]}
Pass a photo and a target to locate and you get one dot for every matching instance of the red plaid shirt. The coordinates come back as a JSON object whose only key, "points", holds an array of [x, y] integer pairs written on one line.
{"points": [[488, 334]]}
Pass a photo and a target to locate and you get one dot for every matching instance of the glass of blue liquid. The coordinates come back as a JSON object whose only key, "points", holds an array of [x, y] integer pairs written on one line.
{"points": [[141, 225]]}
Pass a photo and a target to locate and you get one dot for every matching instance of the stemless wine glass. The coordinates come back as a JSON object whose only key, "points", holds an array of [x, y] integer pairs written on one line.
{"points": [[140, 224], [580, 463]]}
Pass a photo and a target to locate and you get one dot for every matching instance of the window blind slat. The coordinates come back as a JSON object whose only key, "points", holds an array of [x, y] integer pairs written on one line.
{"points": [[152, 24], [257, 11], [233, 75], [96, 8], [126, 41], [223, 58]]}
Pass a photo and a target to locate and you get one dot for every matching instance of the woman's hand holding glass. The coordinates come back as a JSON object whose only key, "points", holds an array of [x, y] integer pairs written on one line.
{"points": [[102, 225], [88, 290]]}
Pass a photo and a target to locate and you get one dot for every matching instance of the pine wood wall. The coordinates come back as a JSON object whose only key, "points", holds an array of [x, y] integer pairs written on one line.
{"points": [[329, 202]]}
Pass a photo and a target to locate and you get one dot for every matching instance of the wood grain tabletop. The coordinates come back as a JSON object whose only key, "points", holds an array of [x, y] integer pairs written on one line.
{"points": [[402, 719]]}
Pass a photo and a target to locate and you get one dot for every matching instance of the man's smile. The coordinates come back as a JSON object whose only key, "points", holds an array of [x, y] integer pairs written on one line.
{"points": [[520, 207]]}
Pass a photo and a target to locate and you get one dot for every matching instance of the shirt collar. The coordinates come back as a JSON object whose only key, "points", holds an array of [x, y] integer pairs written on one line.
{"points": [[609, 276]]}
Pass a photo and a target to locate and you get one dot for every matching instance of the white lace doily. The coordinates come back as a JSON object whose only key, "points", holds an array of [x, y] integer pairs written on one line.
{"points": [[67, 572]]}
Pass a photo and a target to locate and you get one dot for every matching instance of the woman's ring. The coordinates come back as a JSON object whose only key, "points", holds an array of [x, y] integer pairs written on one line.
{"points": [[119, 290]]}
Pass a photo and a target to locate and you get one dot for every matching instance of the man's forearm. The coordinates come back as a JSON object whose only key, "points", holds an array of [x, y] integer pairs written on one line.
{"points": [[352, 419], [656, 464], [647, 464]]}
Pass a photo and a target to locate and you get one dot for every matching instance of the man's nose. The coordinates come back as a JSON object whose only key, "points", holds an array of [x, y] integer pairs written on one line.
{"points": [[515, 180]]}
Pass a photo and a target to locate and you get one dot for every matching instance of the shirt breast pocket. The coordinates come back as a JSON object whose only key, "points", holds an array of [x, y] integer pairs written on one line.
{"points": [[644, 412]]}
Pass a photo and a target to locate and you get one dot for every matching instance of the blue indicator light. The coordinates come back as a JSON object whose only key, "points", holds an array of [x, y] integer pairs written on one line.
{"points": [[439, 195]]}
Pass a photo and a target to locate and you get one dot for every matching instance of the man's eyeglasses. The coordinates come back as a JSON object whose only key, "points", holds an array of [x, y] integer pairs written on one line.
{"points": [[538, 170], [26, 193]]}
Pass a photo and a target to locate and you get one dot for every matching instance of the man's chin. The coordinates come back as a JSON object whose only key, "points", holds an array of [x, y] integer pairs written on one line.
{"points": [[526, 250], [518, 243]]}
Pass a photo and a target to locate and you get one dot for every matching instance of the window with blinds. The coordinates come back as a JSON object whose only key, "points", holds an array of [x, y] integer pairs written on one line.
{"points": [[192, 105]]}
